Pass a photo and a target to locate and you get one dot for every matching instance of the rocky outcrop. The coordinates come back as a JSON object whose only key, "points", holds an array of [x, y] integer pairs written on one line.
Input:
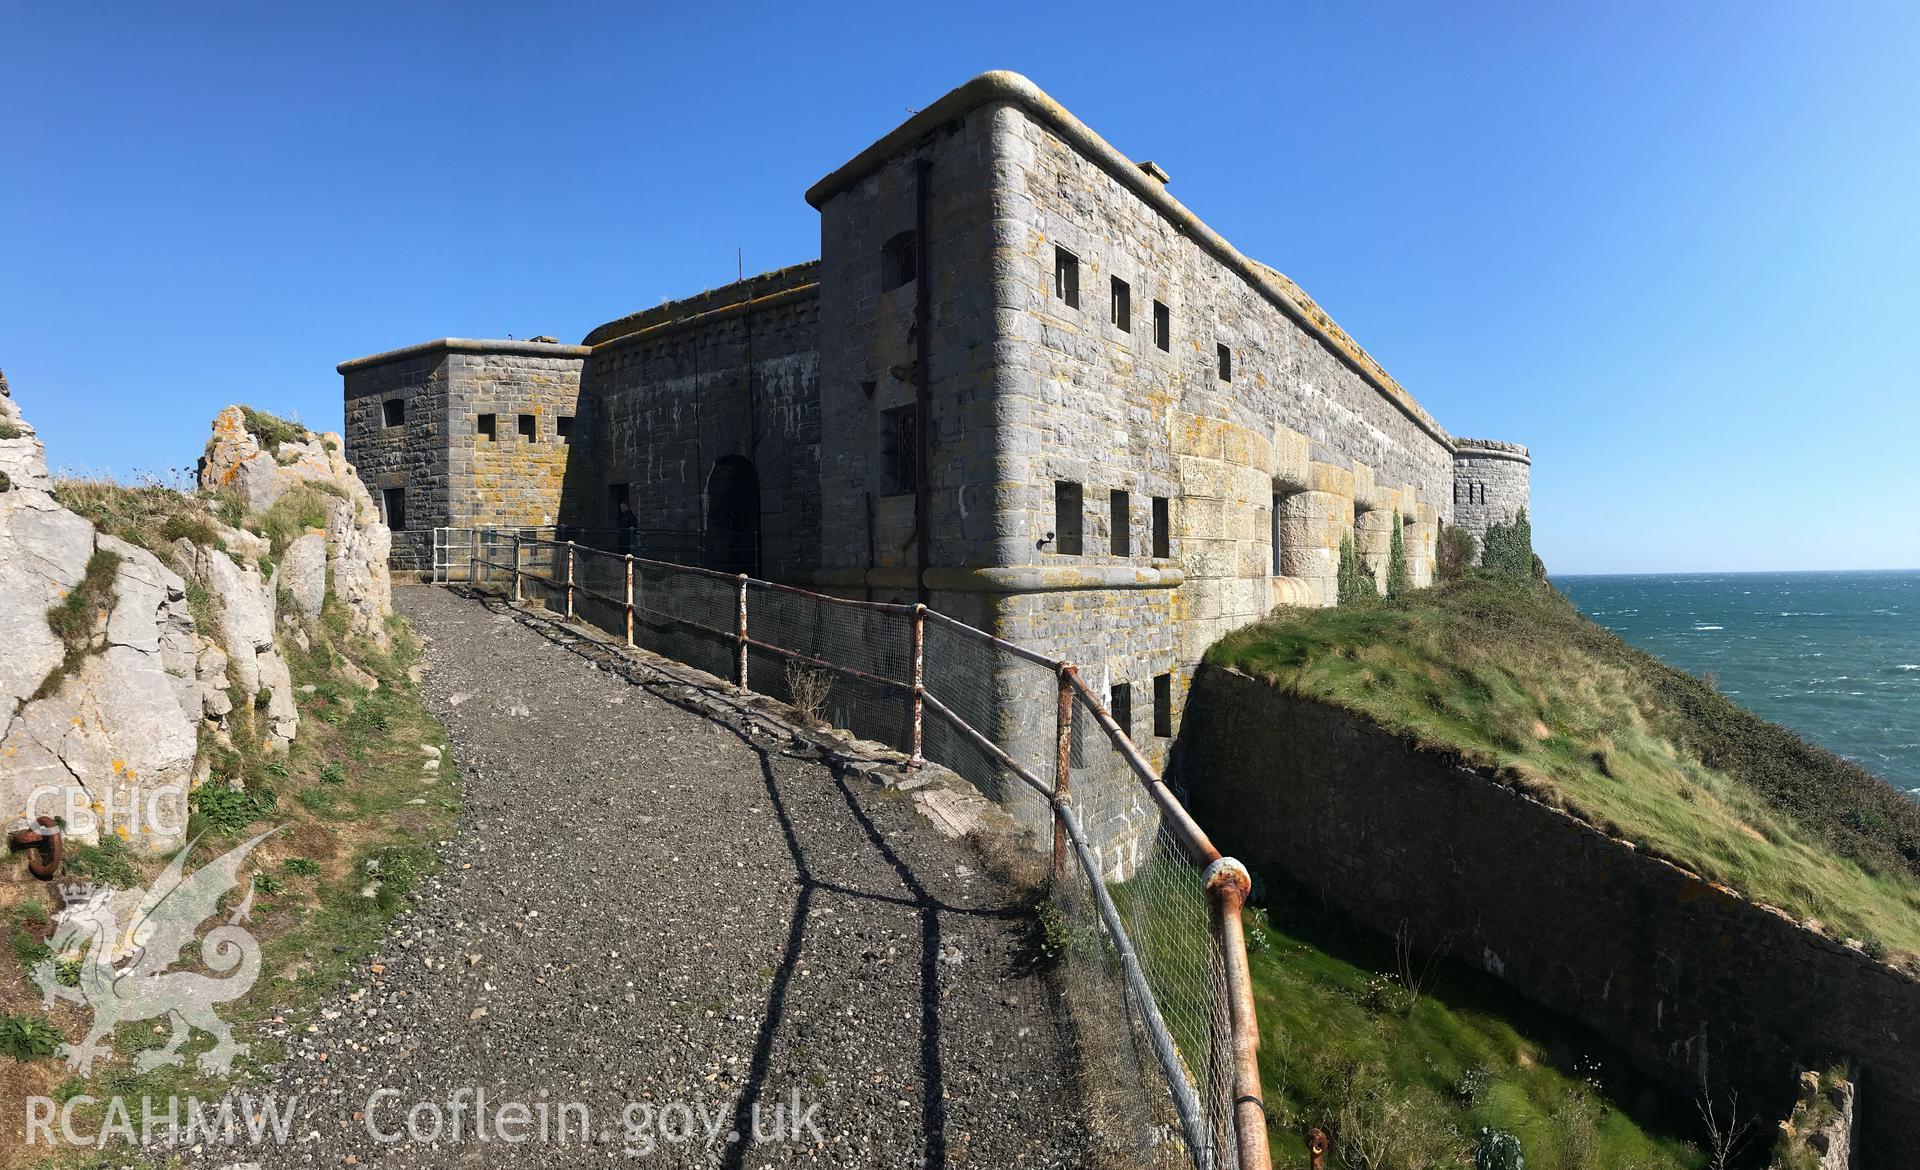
{"points": [[357, 543], [103, 719]]}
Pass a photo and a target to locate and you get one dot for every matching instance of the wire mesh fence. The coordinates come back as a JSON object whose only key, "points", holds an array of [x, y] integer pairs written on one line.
{"points": [[1144, 914]]}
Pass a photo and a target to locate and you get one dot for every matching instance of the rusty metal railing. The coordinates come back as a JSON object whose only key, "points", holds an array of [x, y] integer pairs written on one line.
{"points": [[1215, 1093]]}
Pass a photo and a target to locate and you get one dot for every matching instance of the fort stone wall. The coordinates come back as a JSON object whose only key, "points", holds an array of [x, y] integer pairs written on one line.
{"points": [[731, 376], [1491, 483], [1686, 976]]}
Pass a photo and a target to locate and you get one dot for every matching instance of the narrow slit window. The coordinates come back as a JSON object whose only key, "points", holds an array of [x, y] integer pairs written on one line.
{"points": [[394, 412], [1121, 539], [486, 428], [1066, 277], [394, 503], [1120, 706], [1122, 306], [899, 260], [529, 428], [1226, 361], [563, 428], [900, 451], [1162, 326], [1274, 528], [1163, 705], [1066, 518], [1162, 541]]}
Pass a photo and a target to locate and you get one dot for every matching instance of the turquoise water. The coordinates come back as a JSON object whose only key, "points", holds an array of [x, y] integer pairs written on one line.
{"points": [[1834, 656]]}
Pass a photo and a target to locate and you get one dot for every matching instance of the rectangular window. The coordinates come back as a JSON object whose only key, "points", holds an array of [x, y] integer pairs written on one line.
{"points": [[1120, 706], [485, 428], [563, 427], [1226, 362], [394, 412], [528, 429], [1162, 326], [900, 451], [1274, 526], [1066, 518], [899, 260], [1120, 540], [1122, 306], [1066, 277], [395, 503], [1162, 540], [1163, 705]]}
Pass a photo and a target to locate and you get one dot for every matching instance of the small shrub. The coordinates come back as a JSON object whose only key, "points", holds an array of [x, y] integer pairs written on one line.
{"points": [[1509, 550], [1472, 1085], [29, 1037], [1873, 948], [197, 529], [809, 686], [334, 773], [1498, 1150], [1258, 942], [1455, 553], [8, 430], [1399, 580], [1355, 584], [302, 866], [266, 883]]}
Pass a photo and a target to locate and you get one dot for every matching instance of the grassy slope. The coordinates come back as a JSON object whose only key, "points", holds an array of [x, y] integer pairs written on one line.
{"points": [[1517, 680], [1413, 1080], [353, 845]]}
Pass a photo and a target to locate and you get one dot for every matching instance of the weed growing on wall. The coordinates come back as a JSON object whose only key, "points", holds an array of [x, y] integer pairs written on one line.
{"points": [[1509, 550], [1398, 578], [1356, 585]]}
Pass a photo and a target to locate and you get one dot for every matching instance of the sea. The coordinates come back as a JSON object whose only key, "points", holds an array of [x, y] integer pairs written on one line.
{"points": [[1834, 656]]}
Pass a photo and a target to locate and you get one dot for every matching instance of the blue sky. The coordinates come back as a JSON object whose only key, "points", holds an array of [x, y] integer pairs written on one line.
{"points": [[1673, 248]]}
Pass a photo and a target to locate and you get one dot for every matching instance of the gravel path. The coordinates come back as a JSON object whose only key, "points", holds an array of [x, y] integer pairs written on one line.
{"points": [[646, 910]]}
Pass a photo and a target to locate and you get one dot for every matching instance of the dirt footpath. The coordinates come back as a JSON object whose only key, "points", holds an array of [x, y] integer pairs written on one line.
{"points": [[658, 929]]}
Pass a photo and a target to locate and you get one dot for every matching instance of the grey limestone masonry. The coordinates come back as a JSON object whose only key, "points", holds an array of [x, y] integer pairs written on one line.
{"points": [[1090, 350], [1490, 483]]}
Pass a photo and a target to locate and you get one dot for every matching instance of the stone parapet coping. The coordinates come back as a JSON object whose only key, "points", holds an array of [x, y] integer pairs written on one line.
{"points": [[1006, 578], [737, 308], [465, 345], [1006, 86], [1495, 448], [752, 289]]}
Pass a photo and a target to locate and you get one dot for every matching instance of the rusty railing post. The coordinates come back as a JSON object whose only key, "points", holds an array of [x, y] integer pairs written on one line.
{"points": [[1062, 773], [569, 580], [740, 669], [919, 683], [1228, 884], [516, 565], [629, 601]]}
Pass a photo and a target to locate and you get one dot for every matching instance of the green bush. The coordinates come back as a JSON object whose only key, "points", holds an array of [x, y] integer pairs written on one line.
{"points": [[302, 866], [1498, 1150], [1455, 553], [1509, 550], [8, 430], [28, 1037], [1398, 579], [1355, 583]]}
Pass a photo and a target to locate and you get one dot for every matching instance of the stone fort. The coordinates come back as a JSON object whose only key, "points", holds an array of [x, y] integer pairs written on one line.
{"points": [[1023, 384]]}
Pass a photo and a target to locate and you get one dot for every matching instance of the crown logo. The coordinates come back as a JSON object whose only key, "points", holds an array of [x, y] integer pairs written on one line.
{"points": [[72, 893]]}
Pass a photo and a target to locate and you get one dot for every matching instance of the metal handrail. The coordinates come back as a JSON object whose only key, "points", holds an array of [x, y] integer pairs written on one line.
{"points": [[1225, 880]]}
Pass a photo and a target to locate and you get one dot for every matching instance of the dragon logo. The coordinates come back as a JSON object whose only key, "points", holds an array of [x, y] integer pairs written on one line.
{"points": [[124, 961]]}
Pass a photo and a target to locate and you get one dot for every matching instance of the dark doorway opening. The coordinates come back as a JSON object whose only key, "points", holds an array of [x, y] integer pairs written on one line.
{"points": [[733, 517]]}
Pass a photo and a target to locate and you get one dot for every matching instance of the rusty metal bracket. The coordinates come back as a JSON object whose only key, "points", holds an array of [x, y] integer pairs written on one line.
{"points": [[41, 842]]}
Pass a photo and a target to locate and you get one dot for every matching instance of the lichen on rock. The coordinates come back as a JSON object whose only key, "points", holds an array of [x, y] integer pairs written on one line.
{"points": [[129, 629]]}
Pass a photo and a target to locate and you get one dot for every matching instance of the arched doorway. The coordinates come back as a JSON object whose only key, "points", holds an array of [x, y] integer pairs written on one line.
{"points": [[733, 517]]}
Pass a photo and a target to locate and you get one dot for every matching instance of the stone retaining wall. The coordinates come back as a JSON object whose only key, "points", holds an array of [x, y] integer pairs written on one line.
{"points": [[1682, 974]]}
